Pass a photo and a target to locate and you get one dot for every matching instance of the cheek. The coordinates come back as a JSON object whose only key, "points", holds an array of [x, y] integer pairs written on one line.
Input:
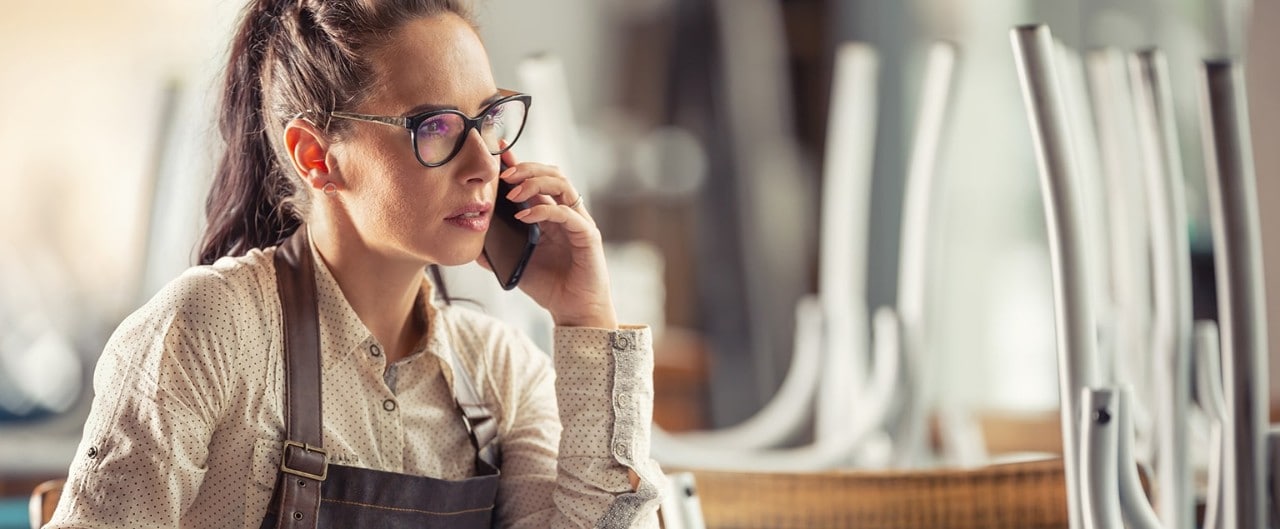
{"points": [[401, 195], [376, 176], [392, 196]]}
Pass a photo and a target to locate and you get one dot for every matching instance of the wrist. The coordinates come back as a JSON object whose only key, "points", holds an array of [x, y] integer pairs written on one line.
{"points": [[594, 323], [598, 319]]}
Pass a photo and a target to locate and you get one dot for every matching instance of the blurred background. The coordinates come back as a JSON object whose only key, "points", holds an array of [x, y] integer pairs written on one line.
{"points": [[698, 128]]}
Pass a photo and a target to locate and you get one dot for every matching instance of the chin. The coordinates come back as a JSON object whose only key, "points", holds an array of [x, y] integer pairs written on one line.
{"points": [[459, 255], [454, 262]]}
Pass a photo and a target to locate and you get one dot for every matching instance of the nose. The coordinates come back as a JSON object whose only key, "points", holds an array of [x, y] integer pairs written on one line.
{"points": [[475, 164]]}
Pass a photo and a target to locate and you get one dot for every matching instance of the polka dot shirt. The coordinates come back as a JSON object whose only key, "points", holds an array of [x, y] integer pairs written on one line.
{"points": [[187, 420]]}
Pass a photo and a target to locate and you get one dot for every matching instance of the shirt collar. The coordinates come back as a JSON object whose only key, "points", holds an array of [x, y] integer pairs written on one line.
{"points": [[341, 330]]}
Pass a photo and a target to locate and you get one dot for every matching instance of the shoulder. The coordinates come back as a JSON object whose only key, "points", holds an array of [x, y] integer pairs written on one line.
{"points": [[230, 285], [188, 341], [213, 301]]}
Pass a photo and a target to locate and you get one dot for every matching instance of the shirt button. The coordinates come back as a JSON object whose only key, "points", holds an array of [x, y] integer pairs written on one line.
{"points": [[389, 405], [624, 400], [93, 452], [374, 350], [620, 449], [621, 343]]}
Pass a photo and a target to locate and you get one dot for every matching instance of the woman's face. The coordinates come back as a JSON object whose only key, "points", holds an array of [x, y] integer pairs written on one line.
{"points": [[393, 205]]}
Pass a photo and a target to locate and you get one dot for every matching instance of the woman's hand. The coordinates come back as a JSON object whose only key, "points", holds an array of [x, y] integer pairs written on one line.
{"points": [[567, 273]]}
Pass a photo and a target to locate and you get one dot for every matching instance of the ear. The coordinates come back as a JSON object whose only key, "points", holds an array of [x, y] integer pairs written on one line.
{"points": [[308, 148]]}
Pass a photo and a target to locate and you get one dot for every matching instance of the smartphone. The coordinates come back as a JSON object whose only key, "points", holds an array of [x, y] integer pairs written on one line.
{"points": [[509, 243]]}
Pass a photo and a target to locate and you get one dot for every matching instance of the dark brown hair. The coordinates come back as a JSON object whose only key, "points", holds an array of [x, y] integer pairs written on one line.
{"points": [[290, 58]]}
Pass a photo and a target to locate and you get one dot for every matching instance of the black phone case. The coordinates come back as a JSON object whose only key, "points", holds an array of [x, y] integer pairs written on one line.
{"points": [[509, 244]]}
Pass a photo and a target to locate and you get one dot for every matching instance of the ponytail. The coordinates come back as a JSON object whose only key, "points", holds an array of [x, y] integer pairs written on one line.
{"points": [[243, 209]]}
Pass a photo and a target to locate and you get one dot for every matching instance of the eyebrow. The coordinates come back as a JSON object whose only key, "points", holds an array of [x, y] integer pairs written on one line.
{"points": [[428, 107]]}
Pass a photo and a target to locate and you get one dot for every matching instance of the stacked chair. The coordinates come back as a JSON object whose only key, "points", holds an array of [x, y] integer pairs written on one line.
{"points": [[863, 419], [861, 396], [1098, 412], [829, 370]]}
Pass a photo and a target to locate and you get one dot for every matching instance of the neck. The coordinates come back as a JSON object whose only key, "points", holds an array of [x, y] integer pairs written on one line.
{"points": [[381, 290]]}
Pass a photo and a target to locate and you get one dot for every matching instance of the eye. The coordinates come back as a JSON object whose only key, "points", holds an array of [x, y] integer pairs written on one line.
{"points": [[494, 118], [436, 126]]}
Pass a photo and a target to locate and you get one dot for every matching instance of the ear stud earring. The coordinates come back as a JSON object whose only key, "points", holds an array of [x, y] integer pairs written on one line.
{"points": [[330, 189]]}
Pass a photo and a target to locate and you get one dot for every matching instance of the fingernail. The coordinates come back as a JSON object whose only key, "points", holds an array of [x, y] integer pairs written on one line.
{"points": [[522, 214], [515, 191]]}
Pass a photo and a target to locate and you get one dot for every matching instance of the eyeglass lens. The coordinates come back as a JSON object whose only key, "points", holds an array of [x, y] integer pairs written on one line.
{"points": [[440, 135]]}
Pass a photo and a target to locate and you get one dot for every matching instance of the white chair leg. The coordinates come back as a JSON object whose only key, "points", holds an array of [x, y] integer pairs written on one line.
{"points": [[1034, 54], [1134, 506], [1099, 478], [1171, 260], [1209, 395], [1233, 201]]}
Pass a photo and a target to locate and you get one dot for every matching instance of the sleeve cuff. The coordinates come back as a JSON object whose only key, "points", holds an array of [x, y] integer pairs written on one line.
{"points": [[605, 390]]}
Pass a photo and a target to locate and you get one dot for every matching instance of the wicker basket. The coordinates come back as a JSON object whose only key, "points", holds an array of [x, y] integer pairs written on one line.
{"points": [[1019, 495]]}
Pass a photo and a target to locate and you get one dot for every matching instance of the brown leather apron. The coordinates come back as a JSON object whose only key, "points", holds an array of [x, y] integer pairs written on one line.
{"points": [[310, 493]]}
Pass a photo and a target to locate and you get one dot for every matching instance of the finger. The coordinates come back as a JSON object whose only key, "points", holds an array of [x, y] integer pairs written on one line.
{"points": [[558, 188], [509, 159], [580, 229], [520, 172]]}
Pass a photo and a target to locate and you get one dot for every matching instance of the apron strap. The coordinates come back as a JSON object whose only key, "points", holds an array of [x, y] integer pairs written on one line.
{"points": [[482, 427], [303, 462]]}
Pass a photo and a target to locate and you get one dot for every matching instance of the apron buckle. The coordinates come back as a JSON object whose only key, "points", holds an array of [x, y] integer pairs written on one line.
{"points": [[306, 455]]}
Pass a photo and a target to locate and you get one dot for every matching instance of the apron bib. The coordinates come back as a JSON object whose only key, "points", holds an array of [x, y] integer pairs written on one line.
{"points": [[310, 493]]}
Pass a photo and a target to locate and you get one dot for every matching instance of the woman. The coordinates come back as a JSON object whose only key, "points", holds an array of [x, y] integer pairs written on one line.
{"points": [[202, 416]]}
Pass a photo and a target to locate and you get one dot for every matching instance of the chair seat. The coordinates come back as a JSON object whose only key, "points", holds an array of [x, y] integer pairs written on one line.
{"points": [[44, 499]]}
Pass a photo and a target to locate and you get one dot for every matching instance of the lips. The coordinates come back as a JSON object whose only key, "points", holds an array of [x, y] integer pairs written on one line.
{"points": [[472, 217], [471, 211], [469, 215]]}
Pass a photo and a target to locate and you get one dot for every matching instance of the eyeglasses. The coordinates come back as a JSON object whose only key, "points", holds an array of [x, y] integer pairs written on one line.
{"points": [[438, 135]]}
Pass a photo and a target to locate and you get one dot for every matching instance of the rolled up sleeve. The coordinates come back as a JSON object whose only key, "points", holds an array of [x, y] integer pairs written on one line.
{"points": [[603, 395]]}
